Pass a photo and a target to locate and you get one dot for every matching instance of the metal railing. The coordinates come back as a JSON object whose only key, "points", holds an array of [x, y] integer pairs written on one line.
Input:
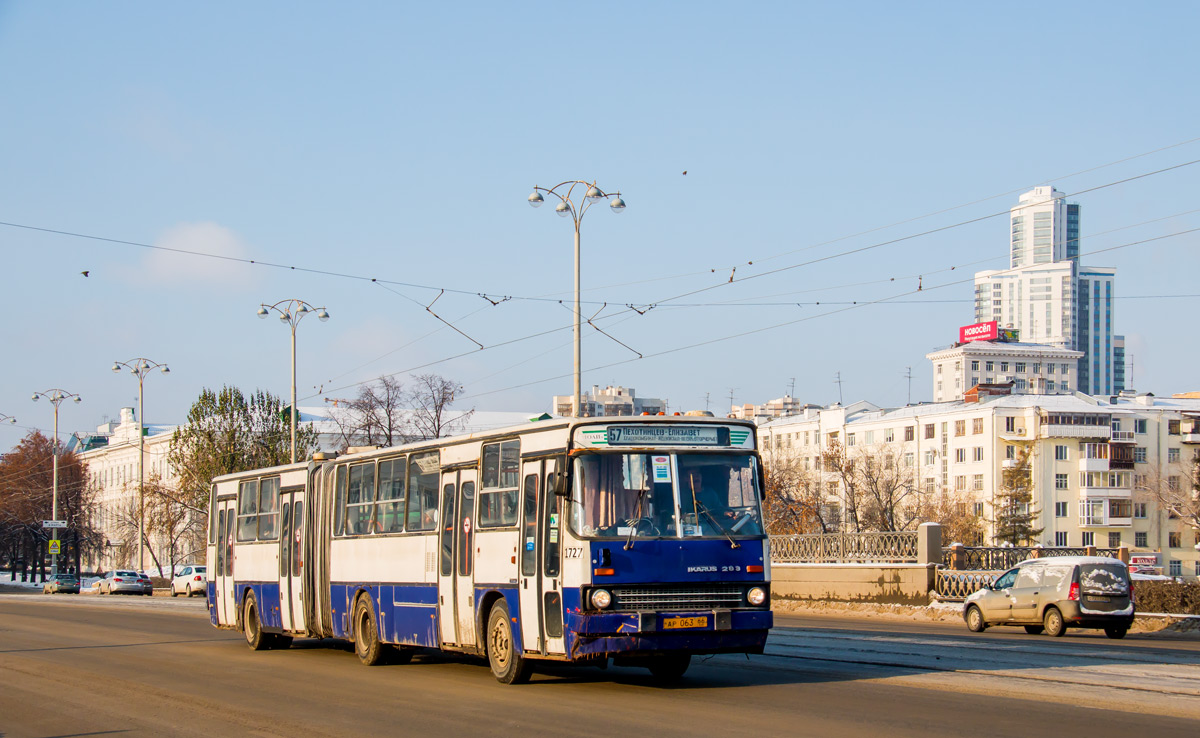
{"points": [[956, 586], [857, 548], [981, 558]]}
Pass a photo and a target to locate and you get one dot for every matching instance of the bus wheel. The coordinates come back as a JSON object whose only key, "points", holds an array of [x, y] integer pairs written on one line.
{"points": [[670, 668], [508, 666], [255, 638], [366, 636]]}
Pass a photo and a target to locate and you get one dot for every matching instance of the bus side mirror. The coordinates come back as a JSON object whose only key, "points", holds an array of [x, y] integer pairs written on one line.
{"points": [[558, 483]]}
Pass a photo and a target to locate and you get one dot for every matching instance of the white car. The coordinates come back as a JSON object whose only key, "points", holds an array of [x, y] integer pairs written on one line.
{"points": [[191, 580]]}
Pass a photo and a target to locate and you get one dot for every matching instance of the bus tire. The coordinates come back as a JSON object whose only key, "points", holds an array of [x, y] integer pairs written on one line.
{"points": [[366, 635], [508, 666], [670, 668], [252, 626]]}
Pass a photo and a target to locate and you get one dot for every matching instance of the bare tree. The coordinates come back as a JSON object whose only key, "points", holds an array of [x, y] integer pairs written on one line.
{"points": [[795, 498], [431, 397], [1174, 487], [377, 416]]}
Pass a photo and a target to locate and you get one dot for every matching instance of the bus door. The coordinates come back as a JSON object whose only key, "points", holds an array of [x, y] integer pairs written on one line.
{"points": [[226, 525], [291, 559], [464, 559], [448, 518], [551, 511], [530, 587]]}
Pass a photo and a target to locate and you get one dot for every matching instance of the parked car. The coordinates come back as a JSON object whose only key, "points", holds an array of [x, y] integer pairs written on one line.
{"points": [[1052, 594], [124, 581], [190, 580], [68, 583]]}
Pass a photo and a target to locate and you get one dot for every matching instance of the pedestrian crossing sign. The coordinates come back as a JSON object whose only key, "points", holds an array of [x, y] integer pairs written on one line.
{"points": [[55, 547]]}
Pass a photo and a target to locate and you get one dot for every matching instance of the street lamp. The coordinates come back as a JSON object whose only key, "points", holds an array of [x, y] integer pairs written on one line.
{"points": [[140, 367], [566, 206], [292, 312], [56, 397], [7, 418]]}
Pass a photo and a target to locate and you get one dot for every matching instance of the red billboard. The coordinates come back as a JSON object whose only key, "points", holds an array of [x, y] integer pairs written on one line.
{"points": [[979, 332]]}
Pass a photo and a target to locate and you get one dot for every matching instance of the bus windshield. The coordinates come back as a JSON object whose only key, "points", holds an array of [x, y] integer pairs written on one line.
{"points": [[665, 495]]}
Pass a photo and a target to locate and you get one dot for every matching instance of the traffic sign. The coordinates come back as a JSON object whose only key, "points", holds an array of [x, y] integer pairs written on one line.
{"points": [[55, 547], [54, 524]]}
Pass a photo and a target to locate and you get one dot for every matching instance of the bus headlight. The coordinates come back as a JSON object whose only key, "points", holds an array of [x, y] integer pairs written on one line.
{"points": [[756, 596], [601, 598]]}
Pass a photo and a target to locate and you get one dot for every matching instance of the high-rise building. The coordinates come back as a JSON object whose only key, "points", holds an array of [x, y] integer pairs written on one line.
{"points": [[1048, 297]]}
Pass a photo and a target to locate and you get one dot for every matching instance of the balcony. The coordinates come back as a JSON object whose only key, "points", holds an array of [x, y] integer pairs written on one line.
{"points": [[1105, 493], [1120, 436], [1050, 430], [1191, 437], [1105, 521], [1010, 463], [1093, 465], [1017, 434]]}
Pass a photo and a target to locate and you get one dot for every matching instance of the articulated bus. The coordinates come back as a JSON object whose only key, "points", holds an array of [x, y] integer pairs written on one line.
{"points": [[635, 539]]}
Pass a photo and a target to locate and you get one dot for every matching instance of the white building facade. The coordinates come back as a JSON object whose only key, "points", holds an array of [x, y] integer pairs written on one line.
{"points": [[1032, 369], [1094, 465]]}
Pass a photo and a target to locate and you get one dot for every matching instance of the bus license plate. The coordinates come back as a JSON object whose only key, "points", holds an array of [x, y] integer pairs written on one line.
{"points": [[676, 623]]}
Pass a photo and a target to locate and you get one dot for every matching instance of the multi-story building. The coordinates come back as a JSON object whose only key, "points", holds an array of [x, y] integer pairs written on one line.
{"points": [[609, 401], [1033, 369], [777, 408], [1049, 297], [1095, 467]]}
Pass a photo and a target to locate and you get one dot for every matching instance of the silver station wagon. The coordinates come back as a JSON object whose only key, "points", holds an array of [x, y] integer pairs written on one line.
{"points": [[1052, 594]]}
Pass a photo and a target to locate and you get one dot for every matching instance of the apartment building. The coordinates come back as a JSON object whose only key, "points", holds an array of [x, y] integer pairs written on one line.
{"points": [[1095, 464]]}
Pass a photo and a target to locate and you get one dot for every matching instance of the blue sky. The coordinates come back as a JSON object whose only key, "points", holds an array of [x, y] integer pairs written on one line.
{"points": [[399, 141]]}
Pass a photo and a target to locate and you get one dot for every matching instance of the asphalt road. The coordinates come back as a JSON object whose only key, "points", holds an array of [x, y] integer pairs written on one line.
{"points": [[84, 665]]}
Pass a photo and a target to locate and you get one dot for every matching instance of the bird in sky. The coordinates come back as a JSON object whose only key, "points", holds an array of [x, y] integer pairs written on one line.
{"points": [[85, 272], [685, 172]]}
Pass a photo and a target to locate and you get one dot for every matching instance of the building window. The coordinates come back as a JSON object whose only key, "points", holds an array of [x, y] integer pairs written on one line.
{"points": [[1010, 425], [1175, 568], [1060, 539], [960, 455], [1139, 510], [1060, 482], [1139, 425], [1010, 451], [869, 437], [1139, 539], [977, 482], [1173, 427], [975, 365], [1172, 456], [1114, 539], [1174, 540], [979, 509], [1049, 385], [960, 428], [1139, 454], [976, 426], [929, 430], [1066, 368], [1020, 367], [849, 439], [1050, 368], [1004, 366], [930, 457], [930, 485], [978, 453], [1173, 483], [910, 433], [960, 483], [908, 459], [1037, 368], [990, 366], [1089, 538], [1062, 453], [889, 435], [1060, 509]]}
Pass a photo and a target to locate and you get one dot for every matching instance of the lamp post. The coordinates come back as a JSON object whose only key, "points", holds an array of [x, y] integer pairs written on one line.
{"points": [[56, 397], [7, 418], [292, 312], [567, 206], [140, 367]]}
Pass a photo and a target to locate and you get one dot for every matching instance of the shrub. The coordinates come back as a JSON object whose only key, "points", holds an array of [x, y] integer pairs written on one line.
{"points": [[1172, 597]]}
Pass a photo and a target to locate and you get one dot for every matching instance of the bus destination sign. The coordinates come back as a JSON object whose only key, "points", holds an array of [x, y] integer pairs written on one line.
{"points": [[667, 435]]}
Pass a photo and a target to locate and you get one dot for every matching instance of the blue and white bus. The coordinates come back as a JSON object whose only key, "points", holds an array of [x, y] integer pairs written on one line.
{"points": [[634, 539]]}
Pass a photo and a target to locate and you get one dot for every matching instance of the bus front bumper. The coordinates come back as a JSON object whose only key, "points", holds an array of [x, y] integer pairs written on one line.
{"points": [[707, 631]]}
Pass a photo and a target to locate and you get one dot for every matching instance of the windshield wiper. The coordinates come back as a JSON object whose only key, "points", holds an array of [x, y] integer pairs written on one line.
{"points": [[636, 520], [716, 523]]}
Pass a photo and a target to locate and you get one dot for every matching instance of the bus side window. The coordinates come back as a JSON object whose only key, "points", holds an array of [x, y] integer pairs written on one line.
{"points": [[391, 494], [220, 518], [466, 529], [529, 527], [339, 501], [285, 543]]}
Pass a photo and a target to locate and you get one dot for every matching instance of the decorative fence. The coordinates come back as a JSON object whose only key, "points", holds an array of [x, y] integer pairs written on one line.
{"points": [[856, 548], [977, 558], [956, 586]]}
